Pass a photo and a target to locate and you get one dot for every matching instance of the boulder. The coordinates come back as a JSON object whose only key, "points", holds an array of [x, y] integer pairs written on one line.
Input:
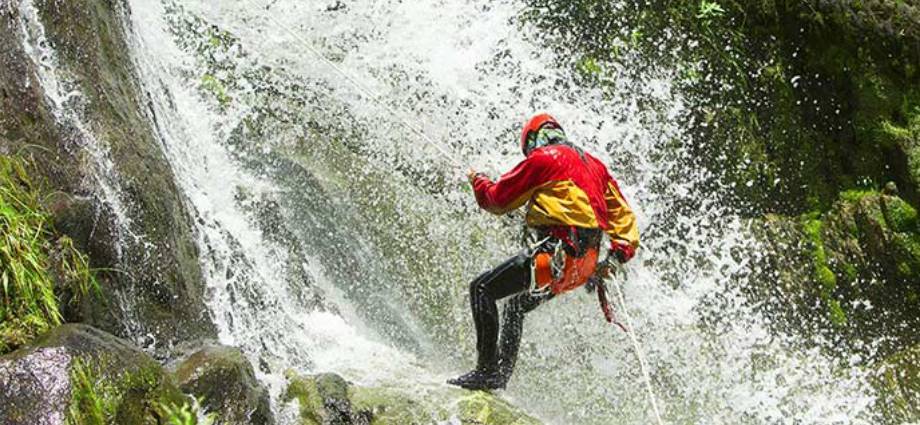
{"points": [[77, 371], [323, 399], [224, 380], [329, 399]]}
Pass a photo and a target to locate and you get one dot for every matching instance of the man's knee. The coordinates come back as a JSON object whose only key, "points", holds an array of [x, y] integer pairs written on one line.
{"points": [[517, 305], [479, 286]]}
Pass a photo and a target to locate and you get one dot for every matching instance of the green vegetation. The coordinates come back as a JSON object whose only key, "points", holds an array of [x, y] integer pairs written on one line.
{"points": [[216, 88], [794, 102], [94, 401], [98, 399], [824, 276], [35, 264], [802, 111], [184, 414]]}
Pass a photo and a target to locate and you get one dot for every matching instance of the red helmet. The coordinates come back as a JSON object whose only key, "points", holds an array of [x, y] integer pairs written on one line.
{"points": [[534, 125]]}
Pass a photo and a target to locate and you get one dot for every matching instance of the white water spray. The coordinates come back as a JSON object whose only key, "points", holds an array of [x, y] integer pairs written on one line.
{"points": [[470, 74]]}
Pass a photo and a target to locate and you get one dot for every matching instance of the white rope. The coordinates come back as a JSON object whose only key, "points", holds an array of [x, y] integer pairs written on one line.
{"points": [[638, 350], [374, 96]]}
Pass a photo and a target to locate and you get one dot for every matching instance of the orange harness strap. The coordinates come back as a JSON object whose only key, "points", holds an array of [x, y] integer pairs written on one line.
{"points": [[575, 272]]}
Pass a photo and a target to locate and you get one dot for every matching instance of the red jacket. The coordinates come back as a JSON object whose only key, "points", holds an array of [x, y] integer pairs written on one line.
{"points": [[563, 189]]}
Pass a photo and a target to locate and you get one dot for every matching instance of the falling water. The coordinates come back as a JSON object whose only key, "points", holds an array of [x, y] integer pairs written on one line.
{"points": [[334, 238]]}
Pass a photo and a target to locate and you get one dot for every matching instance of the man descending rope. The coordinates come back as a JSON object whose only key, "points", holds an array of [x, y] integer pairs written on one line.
{"points": [[573, 202]]}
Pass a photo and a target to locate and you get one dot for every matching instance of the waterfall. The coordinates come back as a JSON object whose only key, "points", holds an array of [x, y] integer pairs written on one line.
{"points": [[333, 238]]}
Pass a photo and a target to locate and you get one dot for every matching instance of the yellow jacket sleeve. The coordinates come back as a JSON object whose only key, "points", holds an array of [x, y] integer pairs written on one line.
{"points": [[621, 222]]}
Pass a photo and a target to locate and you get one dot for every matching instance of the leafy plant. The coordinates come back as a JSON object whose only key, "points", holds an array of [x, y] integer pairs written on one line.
{"points": [[710, 10], [29, 302], [185, 414], [94, 400]]}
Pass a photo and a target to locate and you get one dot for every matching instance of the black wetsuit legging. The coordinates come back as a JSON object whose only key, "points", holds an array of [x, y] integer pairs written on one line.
{"points": [[509, 279]]}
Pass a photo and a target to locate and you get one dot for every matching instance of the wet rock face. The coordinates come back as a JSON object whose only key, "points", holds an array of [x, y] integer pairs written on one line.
{"points": [[324, 399], [899, 384], [224, 379], [83, 44], [851, 273], [329, 399], [35, 388], [37, 382]]}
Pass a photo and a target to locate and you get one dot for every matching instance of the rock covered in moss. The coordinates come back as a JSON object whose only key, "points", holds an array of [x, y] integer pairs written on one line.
{"points": [[224, 380], [899, 387], [323, 399], [329, 399], [77, 371], [856, 268]]}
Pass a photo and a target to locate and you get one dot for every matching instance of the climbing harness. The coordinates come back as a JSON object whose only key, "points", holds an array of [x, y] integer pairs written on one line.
{"points": [[563, 261], [547, 265]]}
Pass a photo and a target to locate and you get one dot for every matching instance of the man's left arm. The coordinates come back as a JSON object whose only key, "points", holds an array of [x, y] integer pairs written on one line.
{"points": [[621, 223]]}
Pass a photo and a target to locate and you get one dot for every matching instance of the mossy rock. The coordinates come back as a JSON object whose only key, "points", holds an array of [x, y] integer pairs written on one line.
{"points": [[323, 399], [224, 380], [899, 387], [66, 372], [329, 399], [483, 408], [391, 407], [858, 259]]}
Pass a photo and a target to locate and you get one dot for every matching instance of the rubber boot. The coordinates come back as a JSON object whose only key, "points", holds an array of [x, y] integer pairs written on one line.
{"points": [[480, 380]]}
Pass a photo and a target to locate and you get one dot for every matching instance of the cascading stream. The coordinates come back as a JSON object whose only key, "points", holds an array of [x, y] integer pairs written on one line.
{"points": [[334, 239]]}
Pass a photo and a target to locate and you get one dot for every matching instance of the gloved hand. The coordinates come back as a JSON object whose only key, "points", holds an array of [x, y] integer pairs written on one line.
{"points": [[603, 270], [471, 174], [622, 251]]}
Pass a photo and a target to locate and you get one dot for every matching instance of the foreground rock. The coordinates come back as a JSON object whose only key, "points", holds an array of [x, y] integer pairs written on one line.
{"points": [[329, 399], [224, 380], [79, 370]]}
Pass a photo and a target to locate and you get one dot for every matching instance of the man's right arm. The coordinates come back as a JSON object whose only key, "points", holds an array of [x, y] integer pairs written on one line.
{"points": [[514, 188]]}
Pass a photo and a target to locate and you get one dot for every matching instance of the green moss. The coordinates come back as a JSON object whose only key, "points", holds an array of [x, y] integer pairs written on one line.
{"points": [[390, 407], [98, 397], [305, 390], [93, 400], [905, 251], [851, 272], [216, 88], [588, 66], [31, 282], [483, 408], [826, 279], [835, 313], [892, 135], [823, 274], [901, 216], [856, 195]]}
